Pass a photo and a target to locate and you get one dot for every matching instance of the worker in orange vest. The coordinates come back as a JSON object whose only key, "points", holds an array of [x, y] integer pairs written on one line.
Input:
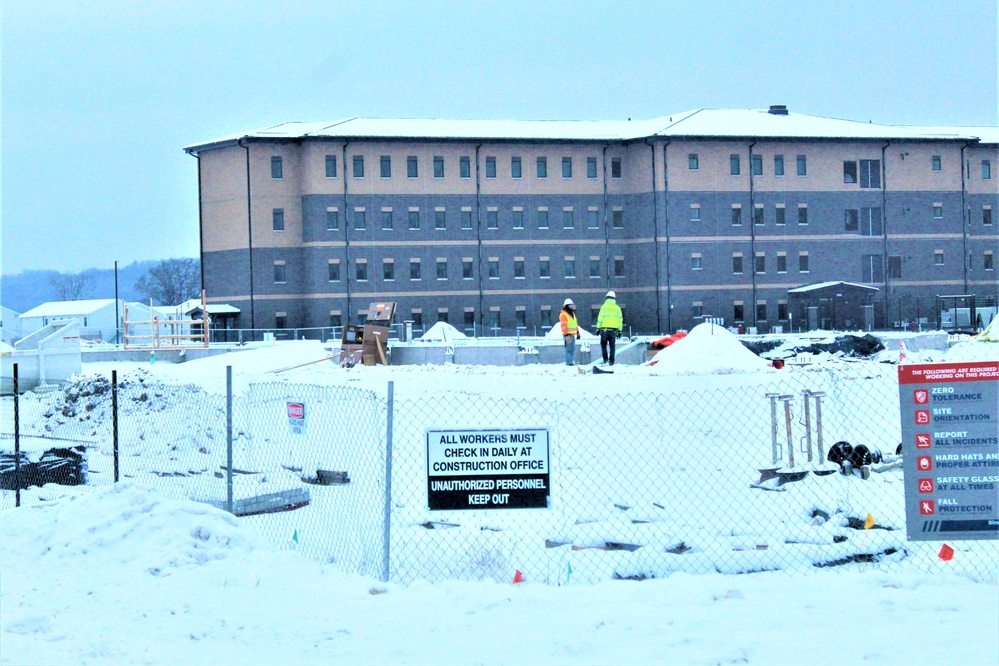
{"points": [[570, 330]]}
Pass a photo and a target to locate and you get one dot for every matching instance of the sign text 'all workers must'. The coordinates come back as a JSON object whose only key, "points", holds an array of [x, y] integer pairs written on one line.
{"points": [[499, 468]]}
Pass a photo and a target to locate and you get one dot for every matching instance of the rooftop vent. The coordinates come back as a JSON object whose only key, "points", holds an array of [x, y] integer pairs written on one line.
{"points": [[778, 109]]}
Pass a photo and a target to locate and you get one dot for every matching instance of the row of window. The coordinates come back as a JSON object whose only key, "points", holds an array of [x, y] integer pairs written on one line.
{"points": [[414, 220], [496, 320], [867, 220]]}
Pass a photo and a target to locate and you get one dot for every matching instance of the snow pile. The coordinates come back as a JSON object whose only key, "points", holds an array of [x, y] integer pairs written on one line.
{"points": [[707, 349], [556, 334], [442, 332]]}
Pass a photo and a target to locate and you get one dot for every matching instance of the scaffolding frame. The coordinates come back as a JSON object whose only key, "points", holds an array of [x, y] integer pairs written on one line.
{"points": [[170, 339]]}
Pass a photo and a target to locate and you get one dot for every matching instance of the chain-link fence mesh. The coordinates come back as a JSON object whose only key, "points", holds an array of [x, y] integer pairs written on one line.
{"points": [[641, 485]]}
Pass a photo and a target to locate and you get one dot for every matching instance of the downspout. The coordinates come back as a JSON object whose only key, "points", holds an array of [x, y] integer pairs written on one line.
{"points": [[965, 221], [249, 234], [669, 284], [752, 230], [606, 217], [884, 227], [346, 233], [655, 232], [478, 236], [201, 224]]}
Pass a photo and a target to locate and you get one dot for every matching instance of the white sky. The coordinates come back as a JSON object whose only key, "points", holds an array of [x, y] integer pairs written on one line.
{"points": [[100, 97]]}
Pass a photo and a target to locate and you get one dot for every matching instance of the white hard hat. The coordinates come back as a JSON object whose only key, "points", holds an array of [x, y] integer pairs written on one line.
{"points": [[568, 301], [611, 294]]}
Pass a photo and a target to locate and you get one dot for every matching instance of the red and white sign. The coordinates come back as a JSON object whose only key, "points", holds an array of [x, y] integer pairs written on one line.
{"points": [[921, 397], [924, 463], [927, 507], [923, 440], [296, 417], [922, 417], [926, 485]]}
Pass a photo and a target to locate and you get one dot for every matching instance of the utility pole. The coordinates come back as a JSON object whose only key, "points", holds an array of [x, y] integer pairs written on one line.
{"points": [[117, 318]]}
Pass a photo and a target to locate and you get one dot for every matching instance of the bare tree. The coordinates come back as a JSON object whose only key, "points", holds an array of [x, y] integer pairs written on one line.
{"points": [[72, 286], [171, 281]]}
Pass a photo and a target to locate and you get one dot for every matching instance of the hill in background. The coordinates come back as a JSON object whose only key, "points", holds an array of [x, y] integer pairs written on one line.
{"points": [[22, 291]]}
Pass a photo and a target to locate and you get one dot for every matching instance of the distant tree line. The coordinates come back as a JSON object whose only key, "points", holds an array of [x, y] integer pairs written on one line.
{"points": [[168, 282]]}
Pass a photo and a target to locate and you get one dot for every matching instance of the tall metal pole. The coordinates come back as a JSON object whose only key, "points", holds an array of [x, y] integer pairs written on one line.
{"points": [[17, 443], [228, 437], [387, 528], [114, 420], [117, 319]]}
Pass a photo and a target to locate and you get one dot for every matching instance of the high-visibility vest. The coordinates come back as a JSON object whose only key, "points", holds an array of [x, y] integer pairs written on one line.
{"points": [[568, 322], [610, 315]]}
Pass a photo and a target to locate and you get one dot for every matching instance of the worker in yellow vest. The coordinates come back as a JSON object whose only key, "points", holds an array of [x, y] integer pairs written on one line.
{"points": [[570, 330], [610, 321]]}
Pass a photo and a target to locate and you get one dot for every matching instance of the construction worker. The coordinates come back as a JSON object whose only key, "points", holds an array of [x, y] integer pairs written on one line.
{"points": [[570, 330], [609, 324]]}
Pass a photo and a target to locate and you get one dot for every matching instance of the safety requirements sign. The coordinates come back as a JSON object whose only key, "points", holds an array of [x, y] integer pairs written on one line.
{"points": [[950, 440], [488, 469]]}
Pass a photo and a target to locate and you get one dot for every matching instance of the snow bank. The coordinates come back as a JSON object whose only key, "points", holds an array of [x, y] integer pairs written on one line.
{"points": [[442, 332], [707, 349]]}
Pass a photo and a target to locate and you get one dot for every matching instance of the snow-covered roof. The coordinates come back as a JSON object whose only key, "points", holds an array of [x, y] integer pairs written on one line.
{"points": [[697, 123], [68, 308], [190, 305], [824, 285]]}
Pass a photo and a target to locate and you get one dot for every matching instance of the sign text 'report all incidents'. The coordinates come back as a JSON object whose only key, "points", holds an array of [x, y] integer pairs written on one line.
{"points": [[950, 445], [496, 468]]}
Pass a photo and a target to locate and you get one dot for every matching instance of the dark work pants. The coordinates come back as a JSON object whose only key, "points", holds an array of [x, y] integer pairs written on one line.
{"points": [[608, 338]]}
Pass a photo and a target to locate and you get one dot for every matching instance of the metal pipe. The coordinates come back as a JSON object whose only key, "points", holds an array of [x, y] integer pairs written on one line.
{"points": [[752, 232], [249, 229], [787, 424], [773, 425], [387, 527], [818, 395], [114, 420], [808, 423], [17, 441], [655, 235], [228, 438]]}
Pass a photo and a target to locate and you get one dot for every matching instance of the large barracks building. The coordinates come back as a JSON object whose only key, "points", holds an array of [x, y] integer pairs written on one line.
{"points": [[490, 225]]}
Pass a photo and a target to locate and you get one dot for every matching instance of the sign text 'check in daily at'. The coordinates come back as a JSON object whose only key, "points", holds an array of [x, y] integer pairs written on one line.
{"points": [[950, 439], [500, 468]]}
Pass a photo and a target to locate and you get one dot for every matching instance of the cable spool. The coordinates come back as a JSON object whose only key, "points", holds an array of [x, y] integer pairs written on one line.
{"points": [[840, 452]]}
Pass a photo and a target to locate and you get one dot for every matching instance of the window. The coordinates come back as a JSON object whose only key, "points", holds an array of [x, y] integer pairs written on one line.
{"points": [[466, 219], [521, 315], [760, 263], [280, 320], [279, 273], [617, 218], [986, 170], [871, 269], [442, 269], [567, 220], [414, 219], [987, 262], [695, 262], [618, 266], [695, 212], [758, 214], [518, 219], [938, 258], [591, 167], [986, 215], [360, 224], [592, 219], [761, 311], [781, 262], [492, 266], [781, 310], [938, 211], [544, 268], [802, 165], [567, 167], [442, 315], [494, 318], [467, 269], [737, 312], [870, 174], [542, 167], [277, 219], [490, 167], [516, 170], [464, 167], [780, 215], [439, 221], [388, 269], [336, 319], [546, 317], [385, 166], [518, 268], [802, 214], [737, 264], [870, 221], [615, 167], [569, 267], [778, 165], [414, 269], [331, 166], [492, 219], [387, 220], [850, 172], [852, 222], [333, 271], [895, 267], [438, 167], [277, 168], [358, 166], [803, 262], [736, 215], [412, 167], [756, 163], [594, 267], [935, 163], [734, 165], [361, 271], [542, 218], [332, 219], [697, 309], [417, 317], [469, 320], [693, 162]]}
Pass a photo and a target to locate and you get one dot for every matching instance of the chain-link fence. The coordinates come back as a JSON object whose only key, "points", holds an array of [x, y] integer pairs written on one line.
{"points": [[639, 485]]}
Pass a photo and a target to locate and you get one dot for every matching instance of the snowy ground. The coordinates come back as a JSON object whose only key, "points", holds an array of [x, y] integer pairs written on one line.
{"points": [[146, 579]]}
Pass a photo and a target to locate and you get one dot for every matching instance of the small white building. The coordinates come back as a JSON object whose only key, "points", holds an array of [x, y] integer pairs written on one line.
{"points": [[10, 325], [95, 316]]}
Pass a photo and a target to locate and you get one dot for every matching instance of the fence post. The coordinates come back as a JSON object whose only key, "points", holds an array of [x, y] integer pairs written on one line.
{"points": [[114, 420], [387, 527], [17, 443], [228, 438]]}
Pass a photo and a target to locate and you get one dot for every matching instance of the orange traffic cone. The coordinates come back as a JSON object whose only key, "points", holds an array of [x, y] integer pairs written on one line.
{"points": [[518, 577], [901, 352]]}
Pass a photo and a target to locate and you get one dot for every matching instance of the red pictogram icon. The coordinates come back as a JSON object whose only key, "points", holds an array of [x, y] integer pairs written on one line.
{"points": [[927, 507], [921, 396], [924, 463], [923, 440], [926, 485], [922, 416]]}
